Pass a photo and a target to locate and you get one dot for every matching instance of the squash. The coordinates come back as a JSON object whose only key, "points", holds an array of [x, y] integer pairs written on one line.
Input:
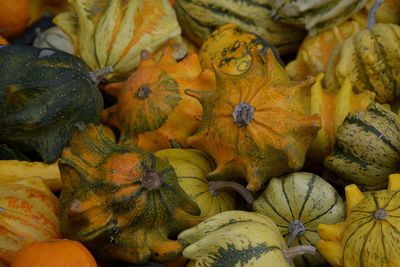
{"points": [[389, 12], [28, 213], [314, 53], [3, 41], [200, 18], [54, 38], [43, 93], [257, 124], [367, 148], [114, 34], [152, 109], [298, 203], [120, 201], [14, 17], [370, 59], [315, 15], [50, 253], [228, 48], [238, 238], [369, 235], [333, 107], [191, 167]]}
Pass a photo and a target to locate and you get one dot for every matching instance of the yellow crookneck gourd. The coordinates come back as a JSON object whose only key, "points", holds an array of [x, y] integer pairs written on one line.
{"points": [[369, 236]]}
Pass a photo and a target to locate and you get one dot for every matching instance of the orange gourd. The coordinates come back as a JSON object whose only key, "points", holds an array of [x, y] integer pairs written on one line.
{"points": [[3, 40], [14, 17], [54, 253]]}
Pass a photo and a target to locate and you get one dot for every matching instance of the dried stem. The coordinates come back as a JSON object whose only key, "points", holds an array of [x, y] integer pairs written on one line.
{"points": [[372, 13], [216, 186], [291, 253], [97, 75]]}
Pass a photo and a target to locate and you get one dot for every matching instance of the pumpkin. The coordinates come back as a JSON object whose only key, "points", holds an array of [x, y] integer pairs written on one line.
{"points": [[369, 235], [238, 238], [228, 48], [367, 148], [333, 107], [256, 124], [152, 108], [389, 12], [28, 213], [200, 18], [3, 41], [314, 53], [122, 202], [315, 15], [14, 17], [191, 167], [370, 59], [43, 93], [114, 34], [50, 253], [54, 38], [298, 203]]}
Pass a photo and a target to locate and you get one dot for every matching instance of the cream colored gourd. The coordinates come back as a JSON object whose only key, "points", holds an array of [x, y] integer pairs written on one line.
{"points": [[54, 38]]}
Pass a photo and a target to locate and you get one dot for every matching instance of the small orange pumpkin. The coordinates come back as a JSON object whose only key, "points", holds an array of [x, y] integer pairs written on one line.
{"points": [[14, 17], [53, 253]]}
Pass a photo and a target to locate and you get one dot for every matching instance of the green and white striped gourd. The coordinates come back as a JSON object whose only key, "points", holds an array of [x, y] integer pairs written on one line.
{"points": [[298, 203]]}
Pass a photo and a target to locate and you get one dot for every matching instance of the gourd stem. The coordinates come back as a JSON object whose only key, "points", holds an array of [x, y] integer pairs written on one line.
{"points": [[296, 228], [291, 253], [243, 114], [216, 186], [151, 180], [97, 75], [372, 13], [380, 214]]}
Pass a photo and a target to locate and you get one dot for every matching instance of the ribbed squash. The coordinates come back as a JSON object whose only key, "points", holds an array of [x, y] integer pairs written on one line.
{"points": [[298, 203], [14, 17], [113, 33], [54, 38], [199, 18], [314, 53], [389, 12], [28, 213], [257, 124], [370, 59], [369, 236], [315, 15], [367, 148], [333, 107], [237, 238], [152, 107], [43, 93], [122, 202], [191, 167], [229, 49]]}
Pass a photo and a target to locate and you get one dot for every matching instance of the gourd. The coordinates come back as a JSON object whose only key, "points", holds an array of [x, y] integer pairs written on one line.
{"points": [[238, 238], [370, 59], [298, 203], [257, 124], [315, 15], [200, 18], [3, 41], [369, 235], [43, 93], [54, 38], [28, 213], [14, 17], [120, 201], [389, 12], [367, 148], [191, 167], [115, 33], [228, 48], [57, 252], [152, 109], [333, 107]]}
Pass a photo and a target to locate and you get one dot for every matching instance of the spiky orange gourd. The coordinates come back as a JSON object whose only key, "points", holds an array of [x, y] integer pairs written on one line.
{"points": [[256, 124]]}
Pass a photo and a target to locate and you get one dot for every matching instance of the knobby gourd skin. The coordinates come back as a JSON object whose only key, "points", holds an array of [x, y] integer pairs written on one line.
{"points": [[257, 124], [369, 235], [367, 148], [122, 202], [43, 93], [199, 19]]}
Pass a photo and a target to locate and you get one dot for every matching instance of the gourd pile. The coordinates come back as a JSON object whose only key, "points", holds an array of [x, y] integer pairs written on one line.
{"points": [[199, 133]]}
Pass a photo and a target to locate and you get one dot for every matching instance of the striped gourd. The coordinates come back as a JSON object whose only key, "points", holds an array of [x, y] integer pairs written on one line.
{"points": [[315, 15], [370, 234], [199, 18], [297, 203], [367, 148]]}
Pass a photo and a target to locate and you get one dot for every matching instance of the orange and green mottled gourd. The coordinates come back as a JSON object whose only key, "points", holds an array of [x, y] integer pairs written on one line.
{"points": [[370, 234], [152, 108], [120, 201], [256, 124]]}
